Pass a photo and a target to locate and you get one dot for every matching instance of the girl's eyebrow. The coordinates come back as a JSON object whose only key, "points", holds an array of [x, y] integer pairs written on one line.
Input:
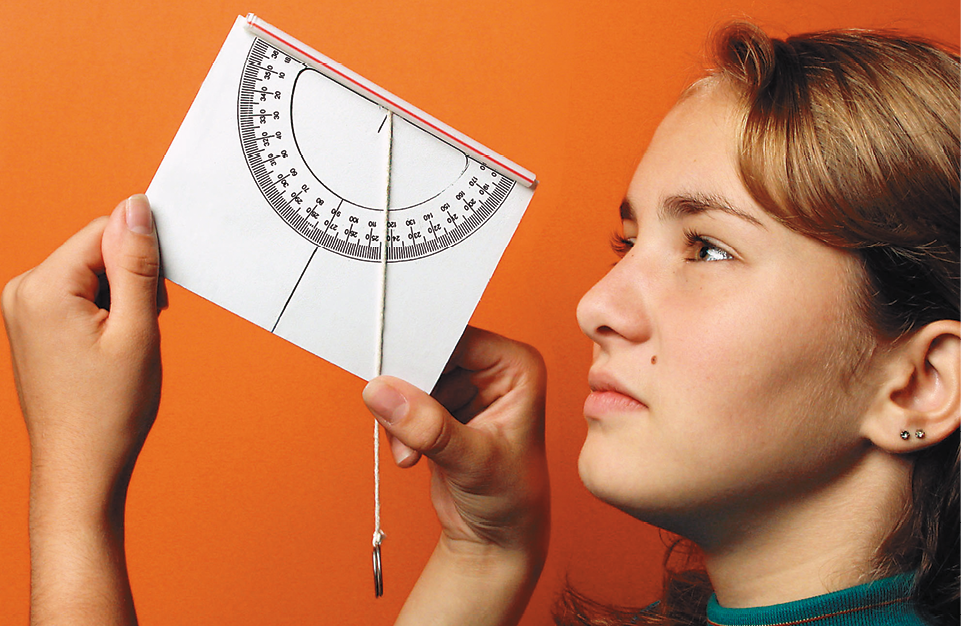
{"points": [[682, 205], [678, 206]]}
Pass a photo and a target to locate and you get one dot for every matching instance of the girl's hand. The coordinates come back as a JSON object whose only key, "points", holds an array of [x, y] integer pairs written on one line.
{"points": [[88, 378], [87, 370], [483, 431]]}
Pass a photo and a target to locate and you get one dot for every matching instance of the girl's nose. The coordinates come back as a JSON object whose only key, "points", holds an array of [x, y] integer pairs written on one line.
{"points": [[616, 306]]}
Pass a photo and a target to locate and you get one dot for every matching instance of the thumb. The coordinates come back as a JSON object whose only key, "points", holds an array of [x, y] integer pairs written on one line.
{"points": [[417, 421], [131, 258]]}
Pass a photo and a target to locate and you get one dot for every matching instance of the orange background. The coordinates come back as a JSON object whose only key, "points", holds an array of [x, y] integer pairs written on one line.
{"points": [[251, 503]]}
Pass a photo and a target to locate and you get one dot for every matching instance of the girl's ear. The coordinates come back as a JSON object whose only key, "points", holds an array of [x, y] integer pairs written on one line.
{"points": [[919, 397]]}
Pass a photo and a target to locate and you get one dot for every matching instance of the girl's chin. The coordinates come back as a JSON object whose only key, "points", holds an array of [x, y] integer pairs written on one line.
{"points": [[611, 482], [600, 472]]}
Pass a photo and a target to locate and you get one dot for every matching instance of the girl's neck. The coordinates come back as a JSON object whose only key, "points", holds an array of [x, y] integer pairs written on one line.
{"points": [[818, 542]]}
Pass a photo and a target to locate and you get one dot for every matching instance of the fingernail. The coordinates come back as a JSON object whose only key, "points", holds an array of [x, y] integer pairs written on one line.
{"points": [[138, 216], [385, 402], [400, 452]]}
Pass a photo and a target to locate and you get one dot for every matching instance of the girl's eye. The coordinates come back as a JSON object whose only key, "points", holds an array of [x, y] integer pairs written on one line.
{"points": [[621, 244], [705, 249]]}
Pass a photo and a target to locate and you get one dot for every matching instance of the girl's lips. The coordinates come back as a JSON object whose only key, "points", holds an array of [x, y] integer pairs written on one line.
{"points": [[606, 401]]}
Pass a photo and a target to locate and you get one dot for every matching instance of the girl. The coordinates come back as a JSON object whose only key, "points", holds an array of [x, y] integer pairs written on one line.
{"points": [[791, 262], [775, 378]]}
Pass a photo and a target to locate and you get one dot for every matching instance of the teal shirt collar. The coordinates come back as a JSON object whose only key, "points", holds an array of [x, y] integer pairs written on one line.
{"points": [[879, 603]]}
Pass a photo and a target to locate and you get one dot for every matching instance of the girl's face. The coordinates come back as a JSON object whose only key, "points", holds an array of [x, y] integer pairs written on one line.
{"points": [[724, 344]]}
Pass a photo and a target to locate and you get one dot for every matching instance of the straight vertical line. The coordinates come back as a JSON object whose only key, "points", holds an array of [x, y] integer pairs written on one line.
{"points": [[384, 248]]}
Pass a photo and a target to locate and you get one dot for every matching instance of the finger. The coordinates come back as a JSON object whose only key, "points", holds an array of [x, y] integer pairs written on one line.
{"points": [[132, 262], [496, 366], [463, 344], [74, 267], [66, 278], [480, 349], [404, 456], [420, 423], [455, 390]]}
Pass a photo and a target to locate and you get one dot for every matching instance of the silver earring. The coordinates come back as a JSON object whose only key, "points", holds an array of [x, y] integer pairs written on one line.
{"points": [[919, 434], [905, 435]]}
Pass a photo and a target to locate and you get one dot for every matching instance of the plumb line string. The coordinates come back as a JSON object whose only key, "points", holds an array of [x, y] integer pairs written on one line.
{"points": [[378, 537]]}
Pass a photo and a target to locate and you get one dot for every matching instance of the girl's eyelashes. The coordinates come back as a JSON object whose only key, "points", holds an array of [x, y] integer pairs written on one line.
{"points": [[621, 244], [705, 249]]}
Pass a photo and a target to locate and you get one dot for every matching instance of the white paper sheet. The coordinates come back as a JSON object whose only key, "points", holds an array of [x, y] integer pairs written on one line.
{"points": [[270, 201]]}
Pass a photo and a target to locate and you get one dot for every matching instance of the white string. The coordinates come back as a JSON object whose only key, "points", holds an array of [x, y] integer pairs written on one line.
{"points": [[389, 123]]}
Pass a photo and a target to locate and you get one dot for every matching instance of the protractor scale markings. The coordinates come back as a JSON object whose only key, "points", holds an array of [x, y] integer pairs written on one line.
{"points": [[304, 167]]}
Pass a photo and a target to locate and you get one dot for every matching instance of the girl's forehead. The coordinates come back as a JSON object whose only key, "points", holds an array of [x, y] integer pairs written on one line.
{"points": [[694, 154]]}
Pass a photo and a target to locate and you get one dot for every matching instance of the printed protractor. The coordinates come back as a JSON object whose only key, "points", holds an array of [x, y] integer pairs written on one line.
{"points": [[316, 152]]}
